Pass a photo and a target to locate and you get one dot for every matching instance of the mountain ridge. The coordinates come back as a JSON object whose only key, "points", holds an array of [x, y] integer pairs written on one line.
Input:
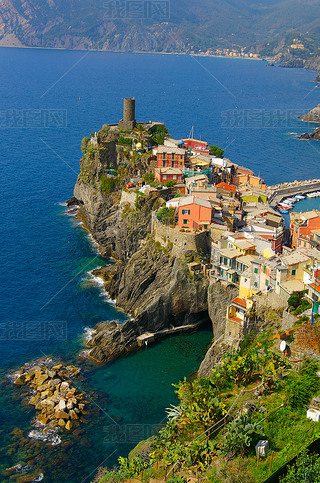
{"points": [[267, 28]]}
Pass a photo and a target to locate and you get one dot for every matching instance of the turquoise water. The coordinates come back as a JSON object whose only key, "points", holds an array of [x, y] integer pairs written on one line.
{"points": [[45, 254]]}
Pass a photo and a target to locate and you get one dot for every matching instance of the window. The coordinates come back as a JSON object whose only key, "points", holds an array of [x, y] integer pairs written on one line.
{"points": [[255, 270], [180, 163], [205, 226], [181, 157], [172, 164], [264, 269], [163, 164], [255, 284], [186, 212], [172, 156], [267, 283], [293, 272], [164, 176], [185, 222], [164, 155]]}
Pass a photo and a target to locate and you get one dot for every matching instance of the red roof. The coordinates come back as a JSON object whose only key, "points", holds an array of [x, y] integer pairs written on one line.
{"points": [[241, 302], [226, 186], [244, 170], [235, 319], [315, 287]]}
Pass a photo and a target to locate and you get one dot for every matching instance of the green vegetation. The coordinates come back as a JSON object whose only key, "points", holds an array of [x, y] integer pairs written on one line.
{"points": [[166, 215], [108, 184], [159, 133], [170, 183], [298, 303], [303, 385], [215, 151], [148, 178], [306, 469], [124, 140], [242, 434], [213, 431]]}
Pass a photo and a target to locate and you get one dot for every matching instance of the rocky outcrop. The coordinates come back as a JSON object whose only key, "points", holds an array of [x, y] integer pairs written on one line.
{"points": [[147, 282], [157, 291], [57, 402], [312, 116], [219, 298], [314, 135]]}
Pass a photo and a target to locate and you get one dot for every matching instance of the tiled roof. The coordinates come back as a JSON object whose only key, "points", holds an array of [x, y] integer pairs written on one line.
{"points": [[240, 301]]}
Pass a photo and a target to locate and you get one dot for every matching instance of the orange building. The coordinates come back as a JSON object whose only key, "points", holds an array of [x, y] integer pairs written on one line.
{"points": [[302, 227], [170, 157], [245, 176], [194, 213]]}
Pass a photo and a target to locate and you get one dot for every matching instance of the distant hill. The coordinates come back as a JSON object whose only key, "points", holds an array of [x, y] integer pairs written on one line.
{"points": [[269, 26]]}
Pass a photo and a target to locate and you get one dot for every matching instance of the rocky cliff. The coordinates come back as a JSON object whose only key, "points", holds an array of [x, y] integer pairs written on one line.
{"points": [[314, 135], [151, 285], [312, 116]]}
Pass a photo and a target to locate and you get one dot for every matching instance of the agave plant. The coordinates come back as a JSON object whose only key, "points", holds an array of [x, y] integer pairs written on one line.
{"points": [[174, 412]]}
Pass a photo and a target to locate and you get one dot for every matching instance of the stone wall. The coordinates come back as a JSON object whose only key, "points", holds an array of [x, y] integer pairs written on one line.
{"points": [[128, 197], [179, 241]]}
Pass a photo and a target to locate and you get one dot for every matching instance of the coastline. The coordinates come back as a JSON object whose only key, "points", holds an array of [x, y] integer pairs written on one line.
{"points": [[186, 54]]}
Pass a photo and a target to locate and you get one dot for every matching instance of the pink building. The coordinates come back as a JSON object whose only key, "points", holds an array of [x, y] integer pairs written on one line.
{"points": [[194, 213]]}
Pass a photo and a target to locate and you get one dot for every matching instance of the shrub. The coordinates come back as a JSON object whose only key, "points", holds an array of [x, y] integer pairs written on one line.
{"points": [[302, 386], [306, 469], [148, 178], [215, 151], [166, 215], [242, 433], [170, 183], [84, 144], [108, 184], [123, 140]]}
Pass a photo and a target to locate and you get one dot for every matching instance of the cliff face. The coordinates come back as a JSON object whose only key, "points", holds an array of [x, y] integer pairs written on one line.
{"points": [[218, 300], [312, 116], [155, 288]]}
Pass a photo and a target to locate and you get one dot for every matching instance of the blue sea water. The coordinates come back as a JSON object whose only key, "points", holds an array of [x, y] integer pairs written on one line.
{"points": [[50, 100]]}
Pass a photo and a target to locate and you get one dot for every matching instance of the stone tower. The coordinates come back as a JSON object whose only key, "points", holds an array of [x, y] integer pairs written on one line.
{"points": [[129, 107]]}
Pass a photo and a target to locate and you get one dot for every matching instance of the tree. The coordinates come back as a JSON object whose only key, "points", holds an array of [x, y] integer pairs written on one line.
{"points": [[170, 183], [159, 133], [148, 178], [141, 133], [166, 215], [216, 151]]}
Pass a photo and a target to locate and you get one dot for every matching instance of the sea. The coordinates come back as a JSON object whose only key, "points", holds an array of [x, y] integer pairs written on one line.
{"points": [[50, 100]]}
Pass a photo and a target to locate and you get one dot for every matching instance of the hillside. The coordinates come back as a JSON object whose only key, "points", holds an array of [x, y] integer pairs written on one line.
{"points": [[268, 26]]}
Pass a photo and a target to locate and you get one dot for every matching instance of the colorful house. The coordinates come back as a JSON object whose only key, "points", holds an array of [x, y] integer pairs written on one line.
{"points": [[196, 145], [303, 226], [168, 174], [170, 157], [194, 213], [226, 189], [245, 176]]}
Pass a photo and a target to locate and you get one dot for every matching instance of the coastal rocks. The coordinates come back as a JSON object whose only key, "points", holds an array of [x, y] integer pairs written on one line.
{"points": [[111, 340], [314, 135], [52, 395], [312, 116], [157, 291]]}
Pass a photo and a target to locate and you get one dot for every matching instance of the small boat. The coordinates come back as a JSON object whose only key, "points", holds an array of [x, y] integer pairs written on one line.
{"points": [[300, 197], [281, 210]]}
